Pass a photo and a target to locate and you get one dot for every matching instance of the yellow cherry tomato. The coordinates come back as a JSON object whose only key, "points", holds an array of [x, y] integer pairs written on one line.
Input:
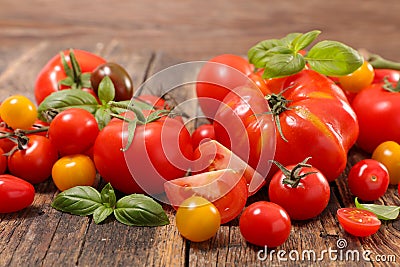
{"points": [[18, 112], [197, 219], [388, 153], [73, 170], [359, 79]]}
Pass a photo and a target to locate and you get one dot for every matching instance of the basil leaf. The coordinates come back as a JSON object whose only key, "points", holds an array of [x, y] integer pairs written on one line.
{"points": [[257, 54], [101, 213], [69, 98], [304, 40], [288, 39], [383, 212], [333, 58], [280, 65], [140, 210], [106, 90], [102, 116], [108, 197], [79, 200]]}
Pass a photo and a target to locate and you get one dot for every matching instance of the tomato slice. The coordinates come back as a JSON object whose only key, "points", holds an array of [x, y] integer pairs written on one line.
{"points": [[226, 189], [358, 222]]}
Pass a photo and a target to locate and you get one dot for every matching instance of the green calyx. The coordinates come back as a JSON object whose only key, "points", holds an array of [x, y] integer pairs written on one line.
{"points": [[285, 56], [75, 78], [293, 177], [278, 104]]}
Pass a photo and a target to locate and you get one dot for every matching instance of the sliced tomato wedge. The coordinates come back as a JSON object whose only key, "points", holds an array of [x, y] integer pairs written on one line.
{"points": [[226, 189], [358, 222], [212, 155]]}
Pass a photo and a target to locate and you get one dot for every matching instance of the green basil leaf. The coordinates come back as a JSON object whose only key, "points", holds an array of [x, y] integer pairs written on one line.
{"points": [[383, 212], [101, 213], [69, 98], [279, 65], [102, 116], [288, 39], [108, 196], [140, 210], [78, 200], [257, 54], [106, 90], [304, 40], [333, 58]]}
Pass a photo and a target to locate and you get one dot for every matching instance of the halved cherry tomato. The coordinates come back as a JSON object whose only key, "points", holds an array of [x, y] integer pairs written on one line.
{"points": [[368, 179], [226, 189], [358, 222], [359, 79], [15, 193], [197, 219], [388, 153]]}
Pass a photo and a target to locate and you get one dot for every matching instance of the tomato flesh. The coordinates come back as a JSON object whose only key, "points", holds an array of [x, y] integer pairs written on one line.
{"points": [[358, 222]]}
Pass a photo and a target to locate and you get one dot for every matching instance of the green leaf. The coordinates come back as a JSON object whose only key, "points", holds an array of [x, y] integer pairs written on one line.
{"points": [[288, 39], [140, 210], [333, 58], [79, 200], [257, 54], [108, 197], [131, 134], [101, 213], [106, 91], [102, 116], [64, 99], [304, 40], [383, 212], [280, 65]]}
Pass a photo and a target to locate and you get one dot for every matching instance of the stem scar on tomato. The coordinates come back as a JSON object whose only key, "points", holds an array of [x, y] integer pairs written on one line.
{"points": [[292, 176]]}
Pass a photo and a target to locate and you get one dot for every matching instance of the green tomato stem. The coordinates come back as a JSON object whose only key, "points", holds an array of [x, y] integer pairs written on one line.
{"points": [[379, 62]]}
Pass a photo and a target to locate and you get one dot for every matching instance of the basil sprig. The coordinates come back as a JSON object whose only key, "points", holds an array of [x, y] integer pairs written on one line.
{"points": [[383, 212], [133, 210], [283, 57]]}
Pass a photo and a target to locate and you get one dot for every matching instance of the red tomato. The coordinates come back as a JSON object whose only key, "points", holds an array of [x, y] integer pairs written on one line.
{"points": [[6, 143], [73, 131], [203, 133], [302, 197], [378, 115], [226, 189], [15, 193], [218, 77], [161, 150], [34, 163], [53, 72], [368, 179], [391, 75], [211, 156], [358, 222], [3, 162], [265, 224]]}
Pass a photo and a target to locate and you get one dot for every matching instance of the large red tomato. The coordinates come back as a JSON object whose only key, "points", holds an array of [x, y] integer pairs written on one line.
{"points": [[53, 72], [160, 150], [378, 112]]}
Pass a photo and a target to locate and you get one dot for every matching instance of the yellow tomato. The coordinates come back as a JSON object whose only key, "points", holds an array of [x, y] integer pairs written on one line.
{"points": [[359, 79], [18, 112], [388, 153], [73, 170]]}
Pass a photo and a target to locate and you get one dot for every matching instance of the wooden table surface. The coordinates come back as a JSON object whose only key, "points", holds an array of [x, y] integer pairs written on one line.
{"points": [[146, 37]]}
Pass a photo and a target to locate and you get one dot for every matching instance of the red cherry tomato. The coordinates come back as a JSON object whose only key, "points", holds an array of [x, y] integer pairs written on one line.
{"points": [[73, 131], [5, 143], [368, 179], [265, 224], [3, 162], [303, 198], [15, 193], [202, 133], [358, 222], [382, 74], [34, 163]]}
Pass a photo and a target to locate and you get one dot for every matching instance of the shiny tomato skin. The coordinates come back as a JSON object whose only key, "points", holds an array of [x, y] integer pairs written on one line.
{"points": [[358, 222], [53, 72], [34, 163], [202, 133], [378, 112], [18, 112], [388, 153], [382, 74], [359, 79], [305, 201], [15, 193], [218, 77], [368, 179], [73, 131], [265, 224]]}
